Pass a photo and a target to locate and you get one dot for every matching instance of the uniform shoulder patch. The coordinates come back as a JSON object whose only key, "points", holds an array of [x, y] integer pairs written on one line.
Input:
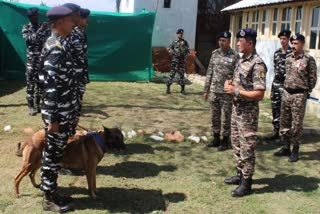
{"points": [[52, 42]]}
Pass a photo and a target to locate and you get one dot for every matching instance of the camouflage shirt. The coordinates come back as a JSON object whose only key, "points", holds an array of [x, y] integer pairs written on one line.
{"points": [[250, 75], [179, 48], [34, 38], [220, 69], [58, 86], [279, 61], [301, 72]]}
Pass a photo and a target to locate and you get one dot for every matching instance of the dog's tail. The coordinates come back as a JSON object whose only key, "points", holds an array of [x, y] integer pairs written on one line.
{"points": [[19, 150]]}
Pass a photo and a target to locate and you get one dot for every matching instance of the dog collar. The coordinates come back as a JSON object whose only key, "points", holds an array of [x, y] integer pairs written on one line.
{"points": [[99, 140]]}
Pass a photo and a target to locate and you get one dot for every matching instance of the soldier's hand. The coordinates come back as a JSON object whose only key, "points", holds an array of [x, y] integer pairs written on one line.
{"points": [[205, 96], [53, 127], [228, 87]]}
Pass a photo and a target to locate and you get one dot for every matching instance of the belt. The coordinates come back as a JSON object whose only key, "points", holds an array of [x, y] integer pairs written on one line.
{"points": [[295, 91]]}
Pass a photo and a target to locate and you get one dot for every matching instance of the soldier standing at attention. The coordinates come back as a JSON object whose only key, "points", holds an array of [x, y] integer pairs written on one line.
{"points": [[34, 36], [248, 87], [301, 78], [58, 109], [279, 61], [220, 69], [178, 49]]}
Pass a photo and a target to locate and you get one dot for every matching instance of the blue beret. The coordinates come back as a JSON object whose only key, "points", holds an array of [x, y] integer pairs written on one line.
{"points": [[58, 12], [32, 11], [225, 34], [73, 7], [286, 33], [245, 33], [180, 31], [84, 13], [297, 36]]}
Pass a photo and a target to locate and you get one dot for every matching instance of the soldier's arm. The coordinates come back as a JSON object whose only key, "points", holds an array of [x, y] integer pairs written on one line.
{"points": [[79, 54], [171, 48], [312, 73], [187, 48], [29, 36], [51, 85], [209, 75]]}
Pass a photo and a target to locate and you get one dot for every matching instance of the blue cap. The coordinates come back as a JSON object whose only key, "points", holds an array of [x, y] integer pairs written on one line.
{"points": [[84, 13], [32, 11], [58, 12], [224, 34], [297, 36], [180, 31], [286, 33], [73, 7], [245, 33]]}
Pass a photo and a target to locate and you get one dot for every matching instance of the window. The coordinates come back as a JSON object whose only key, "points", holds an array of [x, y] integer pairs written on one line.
{"points": [[274, 21], [247, 20], [240, 21], [263, 22], [167, 4], [315, 28], [298, 19], [255, 20], [286, 18]]}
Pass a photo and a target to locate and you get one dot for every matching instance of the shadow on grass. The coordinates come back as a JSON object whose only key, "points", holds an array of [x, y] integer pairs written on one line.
{"points": [[9, 87], [125, 200], [134, 169], [138, 148], [284, 182], [314, 155]]}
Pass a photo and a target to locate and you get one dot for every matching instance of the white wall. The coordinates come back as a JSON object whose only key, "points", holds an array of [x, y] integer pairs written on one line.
{"points": [[182, 14]]}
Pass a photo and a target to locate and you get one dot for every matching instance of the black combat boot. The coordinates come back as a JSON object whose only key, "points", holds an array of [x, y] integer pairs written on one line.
{"points": [[182, 90], [243, 189], [215, 142], [55, 203], [284, 151], [168, 89], [234, 180], [224, 144], [294, 157], [275, 135], [32, 110]]}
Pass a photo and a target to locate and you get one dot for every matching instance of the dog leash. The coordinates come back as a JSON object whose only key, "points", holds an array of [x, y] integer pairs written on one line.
{"points": [[98, 139]]}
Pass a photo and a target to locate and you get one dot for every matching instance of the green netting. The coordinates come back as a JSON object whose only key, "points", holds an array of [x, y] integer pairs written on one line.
{"points": [[119, 44]]}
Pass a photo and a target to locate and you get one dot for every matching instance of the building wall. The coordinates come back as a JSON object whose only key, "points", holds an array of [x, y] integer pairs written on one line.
{"points": [[181, 14]]}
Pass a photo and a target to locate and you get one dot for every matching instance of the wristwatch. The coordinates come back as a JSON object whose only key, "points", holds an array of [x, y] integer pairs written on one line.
{"points": [[237, 92]]}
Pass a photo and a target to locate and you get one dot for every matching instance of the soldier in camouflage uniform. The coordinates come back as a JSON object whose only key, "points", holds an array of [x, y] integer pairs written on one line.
{"points": [[279, 60], [178, 49], [58, 110], [301, 78], [34, 35], [76, 44], [220, 69], [248, 87]]}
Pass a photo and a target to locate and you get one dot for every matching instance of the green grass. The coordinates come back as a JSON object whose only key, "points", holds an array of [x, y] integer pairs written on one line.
{"points": [[154, 177]]}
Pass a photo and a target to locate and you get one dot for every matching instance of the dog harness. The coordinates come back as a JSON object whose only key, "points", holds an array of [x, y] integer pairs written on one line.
{"points": [[98, 139]]}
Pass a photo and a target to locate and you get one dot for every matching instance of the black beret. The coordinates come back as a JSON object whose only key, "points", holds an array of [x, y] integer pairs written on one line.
{"points": [[297, 36], [58, 12], [73, 7], [32, 11], [286, 33], [249, 32], [180, 31], [225, 34], [84, 13]]}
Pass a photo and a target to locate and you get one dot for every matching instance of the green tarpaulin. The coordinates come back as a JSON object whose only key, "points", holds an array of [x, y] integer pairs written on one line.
{"points": [[119, 43]]}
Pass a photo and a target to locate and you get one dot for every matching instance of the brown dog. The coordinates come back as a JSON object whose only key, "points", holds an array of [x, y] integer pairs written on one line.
{"points": [[83, 152]]}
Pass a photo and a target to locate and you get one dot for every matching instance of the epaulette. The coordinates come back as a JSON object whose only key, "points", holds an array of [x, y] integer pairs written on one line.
{"points": [[289, 55], [52, 42], [215, 51]]}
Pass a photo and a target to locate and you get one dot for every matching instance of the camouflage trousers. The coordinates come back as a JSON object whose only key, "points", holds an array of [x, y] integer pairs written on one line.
{"points": [[51, 157], [292, 113], [221, 108], [244, 127], [276, 98], [178, 66], [34, 87]]}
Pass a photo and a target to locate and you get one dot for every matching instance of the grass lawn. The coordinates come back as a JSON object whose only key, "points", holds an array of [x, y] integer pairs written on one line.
{"points": [[158, 177]]}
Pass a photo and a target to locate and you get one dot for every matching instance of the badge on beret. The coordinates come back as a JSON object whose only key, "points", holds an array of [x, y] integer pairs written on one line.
{"points": [[242, 33], [225, 34], [294, 37], [284, 33]]}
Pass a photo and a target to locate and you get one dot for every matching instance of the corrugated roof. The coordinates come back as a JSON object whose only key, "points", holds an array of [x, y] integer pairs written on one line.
{"points": [[253, 3]]}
